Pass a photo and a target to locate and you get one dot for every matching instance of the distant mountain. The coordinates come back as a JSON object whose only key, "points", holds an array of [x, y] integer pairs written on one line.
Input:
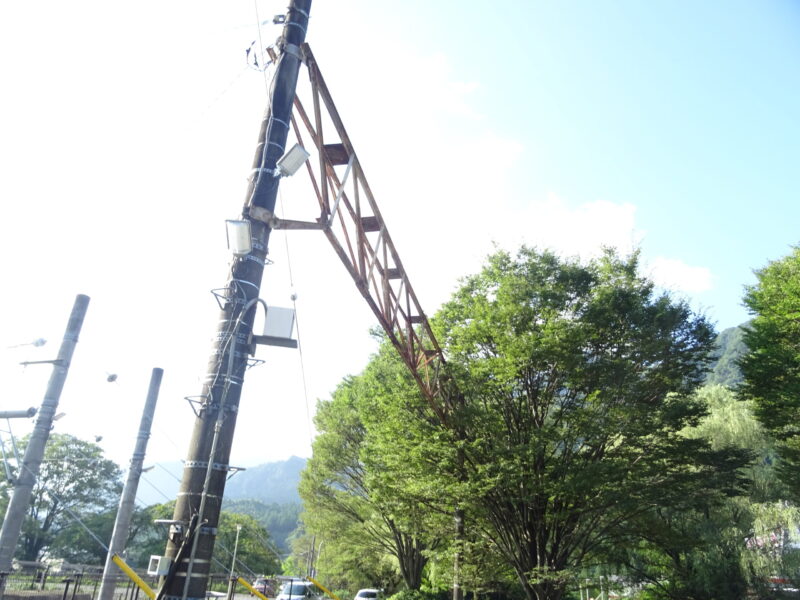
{"points": [[730, 347], [268, 493], [270, 483]]}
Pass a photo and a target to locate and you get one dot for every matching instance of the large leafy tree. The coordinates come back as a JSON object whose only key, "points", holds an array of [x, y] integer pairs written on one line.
{"points": [[75, 482], [577, 381], [715, 547], [771, 368], [342, 505]]}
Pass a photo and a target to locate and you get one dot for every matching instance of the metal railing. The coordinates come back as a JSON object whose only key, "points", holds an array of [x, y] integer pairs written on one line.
{"points": [[44, 583]]}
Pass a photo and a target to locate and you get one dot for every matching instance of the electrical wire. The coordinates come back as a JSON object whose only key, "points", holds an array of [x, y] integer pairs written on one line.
{"points": [[261, 47], [222, 92], [309, 420]]}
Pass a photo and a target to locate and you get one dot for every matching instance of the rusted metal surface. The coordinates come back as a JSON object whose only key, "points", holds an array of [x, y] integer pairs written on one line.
{"points": [[361, 239]]}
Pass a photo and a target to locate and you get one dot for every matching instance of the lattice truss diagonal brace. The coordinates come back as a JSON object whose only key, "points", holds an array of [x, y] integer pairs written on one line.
{"points": [[352, 222]]}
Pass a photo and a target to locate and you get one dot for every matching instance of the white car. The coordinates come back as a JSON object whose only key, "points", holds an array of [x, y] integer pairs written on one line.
{"points": [[299, 590], [369, 594]]}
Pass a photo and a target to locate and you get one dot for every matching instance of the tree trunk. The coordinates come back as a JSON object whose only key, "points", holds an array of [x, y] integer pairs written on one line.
{"points": [[411, 559]]}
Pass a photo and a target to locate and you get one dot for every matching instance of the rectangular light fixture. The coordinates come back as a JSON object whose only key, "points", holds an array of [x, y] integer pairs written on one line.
{"points": [[239, 239], [291, 161]]}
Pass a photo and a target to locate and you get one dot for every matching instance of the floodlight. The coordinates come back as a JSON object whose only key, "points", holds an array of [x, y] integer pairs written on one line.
{"points": [[291, 161], [239, 240]]}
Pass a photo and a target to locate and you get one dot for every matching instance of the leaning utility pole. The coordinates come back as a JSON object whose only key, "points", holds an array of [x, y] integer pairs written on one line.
{"points": [[122, 523], [34, 453], [194, 525]]}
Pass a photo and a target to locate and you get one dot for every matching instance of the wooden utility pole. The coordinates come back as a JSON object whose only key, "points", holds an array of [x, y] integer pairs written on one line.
{"points": [[194, 526]]}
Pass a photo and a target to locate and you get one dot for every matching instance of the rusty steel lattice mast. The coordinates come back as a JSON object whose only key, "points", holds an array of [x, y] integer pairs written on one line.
{"points": [[352, 222]]}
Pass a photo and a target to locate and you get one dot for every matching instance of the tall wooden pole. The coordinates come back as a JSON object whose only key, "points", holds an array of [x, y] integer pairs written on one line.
{"points": [[191, 536]]}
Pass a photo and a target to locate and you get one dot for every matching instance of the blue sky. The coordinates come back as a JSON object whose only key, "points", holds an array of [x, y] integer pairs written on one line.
{"points": [[128, 132], [685, 110]]}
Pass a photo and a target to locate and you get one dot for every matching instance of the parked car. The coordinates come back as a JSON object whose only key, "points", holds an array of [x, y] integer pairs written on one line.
{"points": [[265, 586], [299, 590], [369, 594]]}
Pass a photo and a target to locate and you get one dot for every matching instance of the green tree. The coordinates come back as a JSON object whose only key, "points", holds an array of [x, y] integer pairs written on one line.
{"points": [[577, 380], [147, 538], [771, 368], [341, 506], [279, 519], [411, 465], [74, 482], [255, 555], [698, 551]]}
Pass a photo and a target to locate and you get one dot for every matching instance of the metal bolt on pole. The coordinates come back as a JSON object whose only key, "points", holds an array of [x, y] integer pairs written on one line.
{"points": [[34, 453], [122, 523]]}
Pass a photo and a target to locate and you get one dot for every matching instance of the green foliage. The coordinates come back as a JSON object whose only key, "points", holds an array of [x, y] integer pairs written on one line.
{"points": [[279, 519], [574, 438], [76, 545], [412, 595], [74, 482], [576, 382], [771, 368], [147, 538], [254, 555], [723, 547], [363, 529]]}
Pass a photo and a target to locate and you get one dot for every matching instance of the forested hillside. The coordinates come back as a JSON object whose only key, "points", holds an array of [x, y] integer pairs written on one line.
{"points": [[279, 519], [274, 482], [267, 492], [729, 349]]}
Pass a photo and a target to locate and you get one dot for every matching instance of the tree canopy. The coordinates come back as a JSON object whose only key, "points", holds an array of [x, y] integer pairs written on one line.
{"points": [[578, 381], [771, 368], [75, 482], [575, 384]]}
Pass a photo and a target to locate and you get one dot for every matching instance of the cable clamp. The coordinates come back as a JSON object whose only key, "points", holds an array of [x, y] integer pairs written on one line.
{"points": [[258, 170], [293, 49], [256, 259], [299, 10]]}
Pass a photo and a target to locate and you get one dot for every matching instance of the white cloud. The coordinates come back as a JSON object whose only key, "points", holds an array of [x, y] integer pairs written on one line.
{"points": [[673, 274]]}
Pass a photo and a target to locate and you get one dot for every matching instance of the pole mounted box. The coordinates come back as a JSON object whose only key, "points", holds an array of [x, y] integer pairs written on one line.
{"points": [[159, 565]]}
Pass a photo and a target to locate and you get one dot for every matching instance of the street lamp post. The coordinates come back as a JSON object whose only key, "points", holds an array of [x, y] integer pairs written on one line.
{"points": [[34, 452]]}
